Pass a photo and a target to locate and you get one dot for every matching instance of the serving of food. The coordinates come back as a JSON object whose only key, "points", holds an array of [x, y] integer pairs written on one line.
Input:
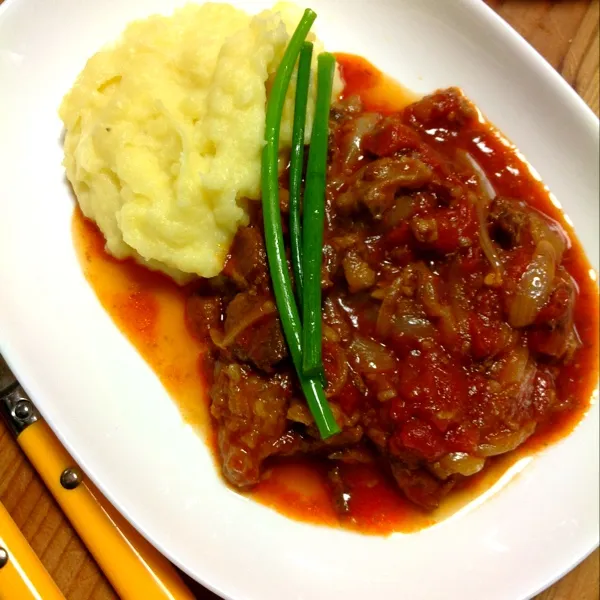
{"points": [[446, 320], [363, 299]]}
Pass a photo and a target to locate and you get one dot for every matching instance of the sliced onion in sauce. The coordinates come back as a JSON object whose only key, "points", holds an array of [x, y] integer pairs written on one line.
{"points": [[428, 291], [512, 367], [337, 372], [414, 327], [457, 463], [254, 315], [370, 356], [486, 189], [350, 149], [534, 287], [299, 413], [403, 209], [543, 228], [505, 442], [482, 203], [387, 310], [515, 374]]}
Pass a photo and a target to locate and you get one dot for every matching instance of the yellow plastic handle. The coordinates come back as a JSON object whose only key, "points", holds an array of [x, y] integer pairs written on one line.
{"points": [[23, 577], [132, 565]]}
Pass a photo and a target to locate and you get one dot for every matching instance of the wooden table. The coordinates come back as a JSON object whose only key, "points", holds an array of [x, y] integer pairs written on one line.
{"points": [[566, 33]]}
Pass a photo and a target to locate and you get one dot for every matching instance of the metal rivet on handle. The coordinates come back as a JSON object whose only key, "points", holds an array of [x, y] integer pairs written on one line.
{"points": [[3, 557], [70, 478], [23, 410]]}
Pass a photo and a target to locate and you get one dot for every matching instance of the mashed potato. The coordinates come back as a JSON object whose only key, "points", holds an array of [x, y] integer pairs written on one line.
{"points": [[165, 129]]}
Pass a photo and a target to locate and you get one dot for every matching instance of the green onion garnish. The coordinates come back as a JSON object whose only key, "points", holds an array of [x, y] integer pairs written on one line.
{"points": [[297, 164], [313, 220], [280, 276]]}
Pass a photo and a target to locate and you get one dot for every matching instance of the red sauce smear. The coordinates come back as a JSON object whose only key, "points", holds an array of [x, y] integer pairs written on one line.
{"points": [[149, 309]]}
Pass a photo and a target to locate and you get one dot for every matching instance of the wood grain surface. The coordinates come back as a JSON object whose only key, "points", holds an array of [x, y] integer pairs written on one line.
{"points": [[566, 33]]}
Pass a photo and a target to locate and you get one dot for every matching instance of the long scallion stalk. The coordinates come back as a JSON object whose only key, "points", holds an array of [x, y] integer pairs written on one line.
{"points": [[297, 164], [282, 285], [313, 220]]}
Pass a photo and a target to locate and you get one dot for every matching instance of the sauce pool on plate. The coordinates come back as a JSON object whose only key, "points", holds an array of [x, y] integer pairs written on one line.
{"points": [[150, 310]]}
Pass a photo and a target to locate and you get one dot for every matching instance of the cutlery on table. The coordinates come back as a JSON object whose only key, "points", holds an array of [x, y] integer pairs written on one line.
{"points": [[22, 575], [133, 566]]}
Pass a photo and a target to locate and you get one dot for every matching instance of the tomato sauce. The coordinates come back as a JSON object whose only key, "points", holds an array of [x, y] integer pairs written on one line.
{"points": [[150, 310]]}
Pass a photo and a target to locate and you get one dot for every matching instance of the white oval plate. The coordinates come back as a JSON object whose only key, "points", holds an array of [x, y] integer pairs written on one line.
{"points": [[112, 413]]}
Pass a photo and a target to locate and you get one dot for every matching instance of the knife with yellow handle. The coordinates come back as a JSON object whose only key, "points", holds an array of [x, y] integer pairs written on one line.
{"points": [[134, 567], [22, 575]]}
